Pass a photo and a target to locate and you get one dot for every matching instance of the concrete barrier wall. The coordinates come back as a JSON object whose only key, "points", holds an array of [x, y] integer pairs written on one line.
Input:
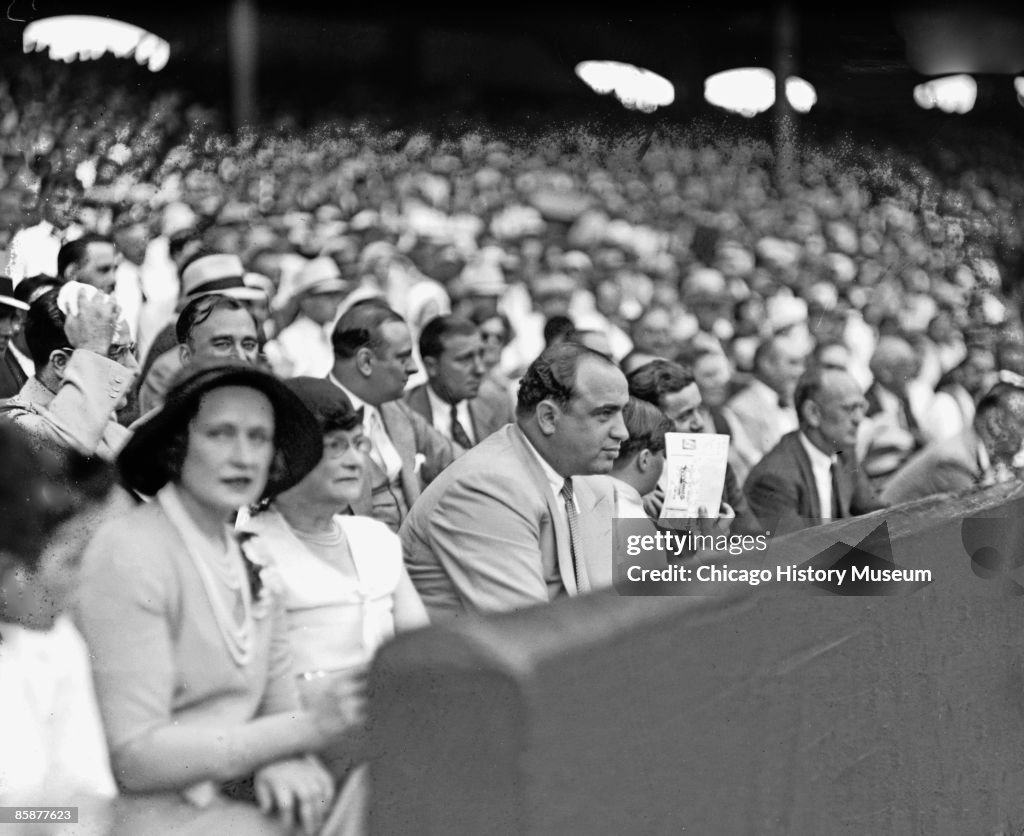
{"points": [[774, 709]]}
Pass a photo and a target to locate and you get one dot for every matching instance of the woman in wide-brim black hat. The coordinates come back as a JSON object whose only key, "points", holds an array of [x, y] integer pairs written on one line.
{"points": [[189, 644]]}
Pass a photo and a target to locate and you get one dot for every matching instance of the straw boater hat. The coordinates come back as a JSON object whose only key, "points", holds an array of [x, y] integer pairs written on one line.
{"points": [[220, 273], [297, 435]]}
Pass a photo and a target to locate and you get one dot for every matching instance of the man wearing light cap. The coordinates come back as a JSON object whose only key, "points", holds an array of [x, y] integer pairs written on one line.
{"points": [[303, 349], [205, 275]]}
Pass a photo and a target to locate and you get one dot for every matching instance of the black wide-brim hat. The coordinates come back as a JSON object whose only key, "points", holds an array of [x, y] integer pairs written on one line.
{"points": [[297, 435]]}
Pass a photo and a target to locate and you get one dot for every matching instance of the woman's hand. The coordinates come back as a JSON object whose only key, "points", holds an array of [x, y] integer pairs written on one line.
{"points": [[298, 790], [337, 700]]}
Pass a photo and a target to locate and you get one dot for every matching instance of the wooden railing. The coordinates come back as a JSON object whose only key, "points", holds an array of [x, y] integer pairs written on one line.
{"points": [[747, 710]]}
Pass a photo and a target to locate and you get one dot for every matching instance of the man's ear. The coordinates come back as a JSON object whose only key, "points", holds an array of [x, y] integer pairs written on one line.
{"points": [[58, 362], [643, 460], [71, 273], [547, 413], [431, 366], [184, 354], [364, 361], [812, 414]]}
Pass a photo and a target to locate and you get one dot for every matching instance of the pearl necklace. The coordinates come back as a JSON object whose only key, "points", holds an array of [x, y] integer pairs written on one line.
{"points": [[217, 569]]}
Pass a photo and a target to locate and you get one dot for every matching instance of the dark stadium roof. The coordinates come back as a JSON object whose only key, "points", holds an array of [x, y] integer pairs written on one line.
{"points": [[861, 61]]}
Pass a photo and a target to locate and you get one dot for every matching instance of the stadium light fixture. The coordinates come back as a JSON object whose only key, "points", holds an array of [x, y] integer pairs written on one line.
{"points": [[751, 90], [86, 37], [950, 94], [634, 87]]}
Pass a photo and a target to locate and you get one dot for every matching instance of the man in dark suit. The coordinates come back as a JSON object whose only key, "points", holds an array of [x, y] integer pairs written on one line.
{"points": [[457, 399], [812, 475], [514, 522], [372, 363]]}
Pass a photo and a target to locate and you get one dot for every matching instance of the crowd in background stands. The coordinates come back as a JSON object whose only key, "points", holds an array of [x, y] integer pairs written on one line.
{"points": [[878, 282]]}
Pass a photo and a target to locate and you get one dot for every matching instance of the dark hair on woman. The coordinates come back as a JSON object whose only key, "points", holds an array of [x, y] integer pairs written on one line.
{"points": [[172, 458], [646, 425], [651, 381], [44, 328], [553, 376], [40, 490]]}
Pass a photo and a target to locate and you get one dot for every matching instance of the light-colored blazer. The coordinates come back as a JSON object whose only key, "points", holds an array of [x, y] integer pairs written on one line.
{"points": [[487, 536], [158, 656], [81, 413], [490, 410]]}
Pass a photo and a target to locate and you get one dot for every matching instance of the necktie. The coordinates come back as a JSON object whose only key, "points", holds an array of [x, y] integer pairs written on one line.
{"points": [[458, 431], [383, 452], [837, 510], [575, 543]]}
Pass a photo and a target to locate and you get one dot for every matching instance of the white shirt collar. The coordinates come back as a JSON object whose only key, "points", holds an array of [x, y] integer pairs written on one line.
{"points": [[441, 412], [357, 402], [555, 480], [628, 501], [819, 458]]}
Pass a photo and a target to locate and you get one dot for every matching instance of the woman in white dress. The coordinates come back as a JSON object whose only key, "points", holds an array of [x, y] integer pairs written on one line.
{"points": [[346, 588]]}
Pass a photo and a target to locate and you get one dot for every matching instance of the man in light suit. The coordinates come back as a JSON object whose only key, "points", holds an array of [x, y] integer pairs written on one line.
{"points": [[760, 414], [981, 454], [453, 357], [496, 531], [372, 363], [85, 366], [812, 475]]}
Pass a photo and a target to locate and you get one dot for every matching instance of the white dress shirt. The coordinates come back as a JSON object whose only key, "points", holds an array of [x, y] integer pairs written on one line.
{"points": [[628, 502], [441, 415], [821, 467], [384, 452]]}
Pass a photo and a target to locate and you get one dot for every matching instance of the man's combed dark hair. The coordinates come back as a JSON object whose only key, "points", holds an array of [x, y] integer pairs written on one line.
{"points": [[552, 376], [438, 329], [359, 327], [44, 329], [201, 309], [651, 381], [73, 252]]}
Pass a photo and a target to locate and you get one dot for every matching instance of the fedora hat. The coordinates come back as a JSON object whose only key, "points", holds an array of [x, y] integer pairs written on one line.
{"points": [[216, 273], [297, 434], [7, 297]]}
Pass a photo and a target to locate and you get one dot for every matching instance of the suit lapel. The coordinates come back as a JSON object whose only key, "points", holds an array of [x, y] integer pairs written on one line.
{"points": [[419, 401], [482, 417], [559, 525], [803, 462], [401, 434]]}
